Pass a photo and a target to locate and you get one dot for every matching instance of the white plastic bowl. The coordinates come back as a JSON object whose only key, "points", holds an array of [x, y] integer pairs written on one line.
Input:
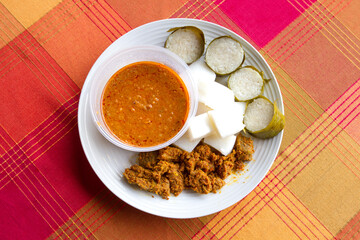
{"points": [[123, 58]]}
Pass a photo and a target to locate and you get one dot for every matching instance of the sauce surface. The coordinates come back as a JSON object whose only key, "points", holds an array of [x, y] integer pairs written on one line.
{"points": [[145, 104]]}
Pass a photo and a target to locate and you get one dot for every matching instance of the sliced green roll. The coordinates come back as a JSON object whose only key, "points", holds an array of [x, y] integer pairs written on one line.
{"points": [[224, 55], [247, 83], [263, 119], [187, 42]]}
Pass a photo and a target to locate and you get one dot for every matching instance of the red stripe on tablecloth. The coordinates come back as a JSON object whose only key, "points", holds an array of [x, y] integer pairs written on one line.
{"points": [[69, 211], [105, 201], [117, 32], [266, 187], [284, 221], [324, 146], [35, 222], [320, 124], [49, 200], [185, 227], [28, 45], [179, 12], [78, 218], [8, 172], [108, 210], [3, 142], [49, 143], [291, 30], [6, 18], [189, 8], [313, 26], [340, 142], [112, 215], [39, 196], [96, 13], [318, 29], [42, 135], [351, 168], [31, 145], [329, 115], [197, 10], [351, 229], [334, 26], [122, 19], [108, 17], [84, 222], [289, 209], [304, 107], [38, 62], [111, 202], [111, 38]]}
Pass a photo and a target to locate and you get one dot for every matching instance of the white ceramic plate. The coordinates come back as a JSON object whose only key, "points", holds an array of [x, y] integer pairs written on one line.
{"points": [[109, 161]]}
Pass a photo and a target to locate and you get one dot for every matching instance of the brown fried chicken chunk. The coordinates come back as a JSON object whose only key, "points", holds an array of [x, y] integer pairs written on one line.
{"points": [[147, 180], [171, 170]]}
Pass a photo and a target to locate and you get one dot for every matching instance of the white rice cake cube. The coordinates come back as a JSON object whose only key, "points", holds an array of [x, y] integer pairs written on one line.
{"points": [[201, 72], [186, 144], [202, 108], [229, 119], [214, 94], [204, 88], [223, 145], [200, 126]]}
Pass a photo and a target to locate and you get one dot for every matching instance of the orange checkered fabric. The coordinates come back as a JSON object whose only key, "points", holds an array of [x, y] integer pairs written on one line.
{"points": [[48, 189]]}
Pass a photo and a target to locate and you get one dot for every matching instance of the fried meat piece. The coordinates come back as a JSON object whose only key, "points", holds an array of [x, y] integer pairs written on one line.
{"points": [[148, 159], [171, 170], [205, 165], [203, 150], [170, 154], [225, 169], [238, 161], [176, 180], [216, 182], [145, 179], [198, 181], [190, 160], [244, 148]]}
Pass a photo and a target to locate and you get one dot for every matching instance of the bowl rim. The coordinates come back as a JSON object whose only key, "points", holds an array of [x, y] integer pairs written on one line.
{"points": [[188, 81]]}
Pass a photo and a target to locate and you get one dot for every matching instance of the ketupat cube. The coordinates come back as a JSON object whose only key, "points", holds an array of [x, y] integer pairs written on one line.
{"points": [[200, 126], [229, 119], [214, 94], [202, 108], [223, 145], [186, 144], [201, 72]]}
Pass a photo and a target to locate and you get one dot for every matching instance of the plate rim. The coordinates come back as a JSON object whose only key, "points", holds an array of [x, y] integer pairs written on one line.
{"points": [[84, 99]]}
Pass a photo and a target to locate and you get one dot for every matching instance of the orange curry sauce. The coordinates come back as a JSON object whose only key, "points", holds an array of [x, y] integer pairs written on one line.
{"points": [[145, 104]]}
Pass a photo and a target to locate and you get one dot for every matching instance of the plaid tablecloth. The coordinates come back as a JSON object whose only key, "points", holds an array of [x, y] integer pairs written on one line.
{"points": [[48, 189]]}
